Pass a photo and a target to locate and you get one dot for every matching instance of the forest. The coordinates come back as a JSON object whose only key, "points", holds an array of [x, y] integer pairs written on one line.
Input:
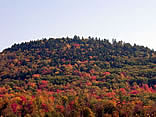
{"points": [[77, 77]]}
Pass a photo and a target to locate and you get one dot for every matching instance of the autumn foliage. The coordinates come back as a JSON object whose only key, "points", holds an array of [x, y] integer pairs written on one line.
{"points": [[77, 78]]}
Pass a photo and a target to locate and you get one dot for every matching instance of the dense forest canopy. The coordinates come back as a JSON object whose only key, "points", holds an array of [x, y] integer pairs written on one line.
{"points": [[67, 77]]}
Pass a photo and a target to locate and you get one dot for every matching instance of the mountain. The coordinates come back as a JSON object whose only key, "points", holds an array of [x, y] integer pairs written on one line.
{"points": [[77, 77]]}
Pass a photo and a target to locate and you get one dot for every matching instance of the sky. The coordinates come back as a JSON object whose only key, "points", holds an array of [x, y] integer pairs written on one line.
{"points": [[132, 21]]}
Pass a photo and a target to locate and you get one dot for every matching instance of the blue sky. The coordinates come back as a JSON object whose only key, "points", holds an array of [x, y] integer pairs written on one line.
{"points": [[132, 21]]}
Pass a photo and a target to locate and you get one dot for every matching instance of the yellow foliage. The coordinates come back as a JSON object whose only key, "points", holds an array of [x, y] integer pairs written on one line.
{"points": [[112, 102], [68, 46]]}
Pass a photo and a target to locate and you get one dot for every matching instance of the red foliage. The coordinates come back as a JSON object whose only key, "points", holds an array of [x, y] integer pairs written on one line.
{"points": [[23, 99], [123, 91], [3, 90], [58, 91], [76, 72], [90, 57], [110, 94], [106, 73], [134, 92], [92, 71], [33, 97], [98, 97], [1, 95], [45, 71], [30, 102], [151, 90], [52, 98], [50, 92], [76, 45], [36, 76], [85, 75], [88, 83], [146, 86], [123, 102], [31, 84], [14, 107], [44, 82], [93, 77], [72, 102], [39, 91], [44, 107], [60, 108]]}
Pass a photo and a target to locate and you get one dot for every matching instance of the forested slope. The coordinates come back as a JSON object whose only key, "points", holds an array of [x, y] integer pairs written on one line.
{"points": [[77, 77]]}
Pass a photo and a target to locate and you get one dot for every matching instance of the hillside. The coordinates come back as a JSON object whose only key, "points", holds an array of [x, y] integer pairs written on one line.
{"points": [[73, 77]]}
